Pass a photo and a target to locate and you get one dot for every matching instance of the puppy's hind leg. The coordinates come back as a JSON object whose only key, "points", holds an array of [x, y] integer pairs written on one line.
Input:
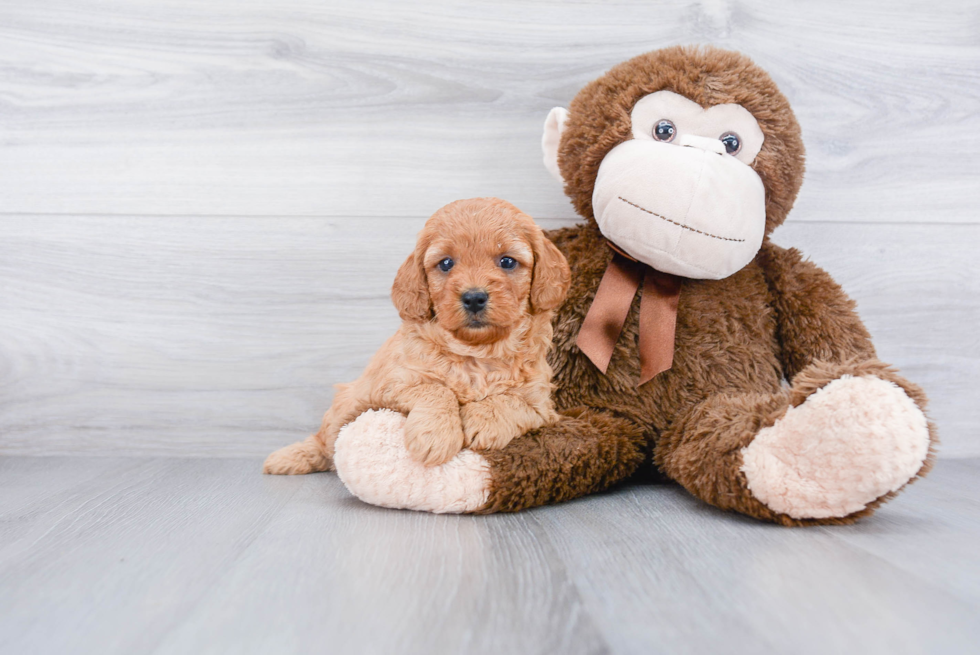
{"points": [[316, 453], [298, 459]]}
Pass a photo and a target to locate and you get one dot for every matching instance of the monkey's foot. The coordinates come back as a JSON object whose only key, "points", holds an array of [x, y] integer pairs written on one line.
{"points": [[373, 463], [848, 444]]}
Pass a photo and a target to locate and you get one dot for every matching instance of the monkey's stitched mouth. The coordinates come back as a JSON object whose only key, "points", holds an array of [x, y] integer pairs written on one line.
{"points": [[686, 227]]}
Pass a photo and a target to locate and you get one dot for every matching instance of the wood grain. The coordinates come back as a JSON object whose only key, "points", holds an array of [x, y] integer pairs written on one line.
{"points": [[903, 536], [126, 555], [738, 585], [187, 336], [382, 108], [117, 555], [202, 205]]}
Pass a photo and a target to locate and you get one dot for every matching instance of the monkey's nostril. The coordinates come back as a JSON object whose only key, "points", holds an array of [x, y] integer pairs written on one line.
{"points": [[702, 142], [474, 300]]}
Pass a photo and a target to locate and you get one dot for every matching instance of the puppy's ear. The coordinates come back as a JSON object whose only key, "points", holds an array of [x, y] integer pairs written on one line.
{"points": [[551, 278], [410, 292]]}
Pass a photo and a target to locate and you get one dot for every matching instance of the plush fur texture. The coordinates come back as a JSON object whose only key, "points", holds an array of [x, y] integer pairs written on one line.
{"points": [[738, 340], [836, 452], [599, 118], [751, 350], [374, 464], [463, 378]]}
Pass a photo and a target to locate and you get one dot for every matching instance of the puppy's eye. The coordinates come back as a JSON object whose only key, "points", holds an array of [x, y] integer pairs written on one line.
{"points": [[446, 264], [508, 263]]}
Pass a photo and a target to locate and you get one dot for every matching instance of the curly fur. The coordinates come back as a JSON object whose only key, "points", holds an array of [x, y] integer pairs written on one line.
{"points": [[463, 379]]}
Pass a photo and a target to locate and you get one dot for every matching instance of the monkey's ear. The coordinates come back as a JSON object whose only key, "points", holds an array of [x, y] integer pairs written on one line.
{"points": [[554, 125], [410, 292], [551, 278]]}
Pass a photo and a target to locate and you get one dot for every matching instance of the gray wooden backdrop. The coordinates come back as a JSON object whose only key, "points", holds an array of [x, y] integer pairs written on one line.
{"points": [[202, 204]]}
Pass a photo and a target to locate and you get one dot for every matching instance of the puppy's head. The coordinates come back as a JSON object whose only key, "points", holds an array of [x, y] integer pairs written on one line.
{"points": [[479, 267]]}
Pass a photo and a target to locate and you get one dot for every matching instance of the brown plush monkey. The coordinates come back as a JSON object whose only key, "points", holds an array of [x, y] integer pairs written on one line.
{"points": [[735, 367]]}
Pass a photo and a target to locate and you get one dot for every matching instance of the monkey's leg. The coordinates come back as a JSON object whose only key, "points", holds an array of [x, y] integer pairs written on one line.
{"points": [[842, 440], [584, 452]]}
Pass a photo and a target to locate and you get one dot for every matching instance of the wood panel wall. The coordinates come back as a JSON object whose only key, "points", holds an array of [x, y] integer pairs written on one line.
{"points": [[202, 204]]}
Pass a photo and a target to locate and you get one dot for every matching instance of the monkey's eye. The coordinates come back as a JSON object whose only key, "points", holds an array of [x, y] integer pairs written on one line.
{"points": [[733, 143], [508, 263], [664, 131], [446, 264]]}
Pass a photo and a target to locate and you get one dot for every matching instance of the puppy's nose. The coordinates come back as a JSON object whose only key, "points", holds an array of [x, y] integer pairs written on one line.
{"points": [[474, 300]]}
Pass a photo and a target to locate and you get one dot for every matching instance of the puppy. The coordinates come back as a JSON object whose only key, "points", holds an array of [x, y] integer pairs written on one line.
{"points": [[468, 365]]}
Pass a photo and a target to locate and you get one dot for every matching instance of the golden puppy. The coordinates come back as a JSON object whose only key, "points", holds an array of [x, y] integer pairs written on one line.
{"points": [[467, 366]]}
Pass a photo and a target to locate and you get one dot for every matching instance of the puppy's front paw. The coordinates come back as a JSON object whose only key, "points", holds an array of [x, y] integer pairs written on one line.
{"points": [[433, 437], [485, 427]]}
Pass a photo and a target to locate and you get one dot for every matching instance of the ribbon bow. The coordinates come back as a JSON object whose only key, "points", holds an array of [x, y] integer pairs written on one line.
{"points": [[658, 314]]}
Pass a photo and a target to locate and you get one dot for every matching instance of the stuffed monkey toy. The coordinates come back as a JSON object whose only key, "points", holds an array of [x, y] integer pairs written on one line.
{"points": [[689, 344]]}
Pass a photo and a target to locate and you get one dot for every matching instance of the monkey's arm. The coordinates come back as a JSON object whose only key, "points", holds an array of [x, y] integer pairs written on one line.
{"points": [[785, 458], [821, 337], [816, 320]]}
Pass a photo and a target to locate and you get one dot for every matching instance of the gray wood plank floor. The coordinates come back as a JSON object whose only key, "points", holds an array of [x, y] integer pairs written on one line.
{"points": [[164, 555]]}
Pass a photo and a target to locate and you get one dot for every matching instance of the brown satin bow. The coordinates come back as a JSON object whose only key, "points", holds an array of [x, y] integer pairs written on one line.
{"points": [[658, 314]]}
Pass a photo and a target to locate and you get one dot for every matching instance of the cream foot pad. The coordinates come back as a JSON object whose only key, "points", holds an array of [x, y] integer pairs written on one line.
{"points": [[373, 463], [848, 444]]}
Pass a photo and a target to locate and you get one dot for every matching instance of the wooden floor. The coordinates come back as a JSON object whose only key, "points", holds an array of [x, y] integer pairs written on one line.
{"points": [[165, 555]]}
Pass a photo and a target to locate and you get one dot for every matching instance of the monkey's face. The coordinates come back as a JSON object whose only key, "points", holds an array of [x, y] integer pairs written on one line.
{"points": [[680, 195], [684, 157]]}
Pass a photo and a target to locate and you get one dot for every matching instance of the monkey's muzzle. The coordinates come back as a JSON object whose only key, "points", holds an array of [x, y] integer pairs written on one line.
{"points": [[683, 208]]}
